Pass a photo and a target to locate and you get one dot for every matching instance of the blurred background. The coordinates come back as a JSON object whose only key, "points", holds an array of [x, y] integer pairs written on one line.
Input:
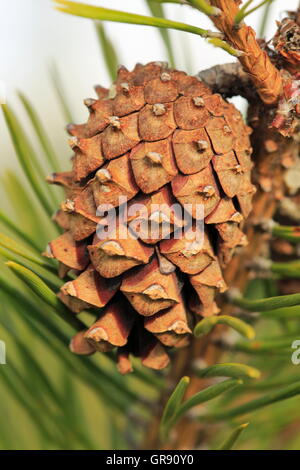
{"points": [[62, 402]]}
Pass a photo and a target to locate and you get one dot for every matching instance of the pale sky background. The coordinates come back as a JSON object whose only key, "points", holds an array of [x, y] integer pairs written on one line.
{"points": [[33, 34]]}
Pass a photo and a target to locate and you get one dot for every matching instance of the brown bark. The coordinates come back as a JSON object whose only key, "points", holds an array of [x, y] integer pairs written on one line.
{"points": [[229, 80]]}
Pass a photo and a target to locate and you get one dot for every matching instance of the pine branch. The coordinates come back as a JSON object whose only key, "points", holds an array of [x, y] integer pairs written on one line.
{"points": [[255, 61]]}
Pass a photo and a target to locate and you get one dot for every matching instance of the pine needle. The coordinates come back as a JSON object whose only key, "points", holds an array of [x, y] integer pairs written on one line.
{"points": [[233, 370], [158, 11], [256, 404], [232, 439], [105, 14], [108, 50], [208, 323]]}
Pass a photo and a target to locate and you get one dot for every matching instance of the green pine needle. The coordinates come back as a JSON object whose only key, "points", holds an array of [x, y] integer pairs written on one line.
{"points": [[226, 47], [19, 249], [109, 52], [256, 404], [173, 405], [157, 10], [230, 442], [288, 269], [60, 93], [291, 234], [174, 410], [205, 7], [16, 387], [283, 313], [264, 19], [28, 160], [206, 325], [39, 287], [206, 395], [50, 279], [109, 384], [179, 2], [41, 133], [105, 14], [41, 377], [233, 370], [269, 346], [262, 305], [17, 231], [243, 12], [20, 198]]}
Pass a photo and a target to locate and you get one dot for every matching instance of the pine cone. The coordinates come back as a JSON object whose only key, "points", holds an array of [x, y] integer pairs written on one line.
{"points": [[158, 137]]}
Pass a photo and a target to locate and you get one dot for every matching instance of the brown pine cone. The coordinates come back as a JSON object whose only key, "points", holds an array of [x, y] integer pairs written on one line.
{"points": [[158, 137]]}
